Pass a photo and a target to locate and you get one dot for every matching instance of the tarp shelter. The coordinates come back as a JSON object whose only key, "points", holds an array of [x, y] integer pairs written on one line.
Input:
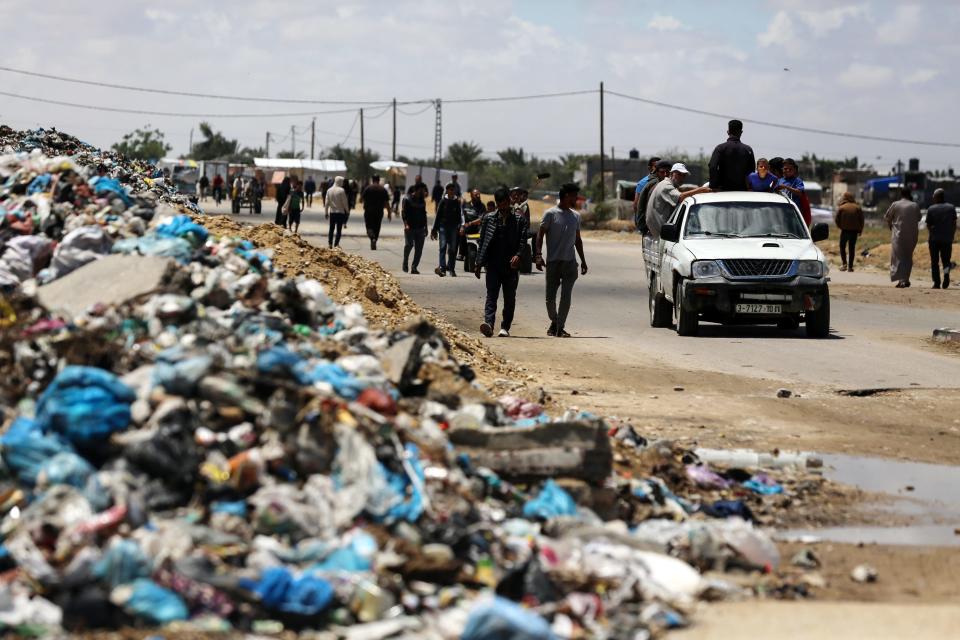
{"points": [[319, 169]]}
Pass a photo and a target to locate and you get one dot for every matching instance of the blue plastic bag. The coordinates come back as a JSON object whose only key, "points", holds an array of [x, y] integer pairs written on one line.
{"points": [[123, 562], [26, 448], [155, 604], [180, 377], [280, 360], [552, 501], [183, 227], [104, 185], [39, 184], [85, 405], [499, 619], [343, 383], [65, 467], [354, 557], [280, 591], [152, 245], [407, 508]]}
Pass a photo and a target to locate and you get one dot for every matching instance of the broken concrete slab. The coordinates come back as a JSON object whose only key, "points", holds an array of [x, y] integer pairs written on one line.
{"points": [[110, 280], [569, 449]]}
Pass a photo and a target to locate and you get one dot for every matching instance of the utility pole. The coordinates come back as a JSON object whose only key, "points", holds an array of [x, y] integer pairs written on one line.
{"points": [[313, 136], [602, 194], [268, 144], [363, 153], [393, 155], [438, 139], [293, 141], [190, 148]]}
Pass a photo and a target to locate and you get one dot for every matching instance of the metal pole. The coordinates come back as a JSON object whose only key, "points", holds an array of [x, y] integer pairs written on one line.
{"points": [[293, 140], [313, 136], [363, 153], [393, 155], [190, 148], [267, 150], [602, 193]]}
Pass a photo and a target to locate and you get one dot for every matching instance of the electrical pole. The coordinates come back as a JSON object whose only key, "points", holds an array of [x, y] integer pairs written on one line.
{"points": [[267, 150], [293, 141], [190, 148], [438, 139], [393, 155], [602, 194], [363, 153], [313, 136]]}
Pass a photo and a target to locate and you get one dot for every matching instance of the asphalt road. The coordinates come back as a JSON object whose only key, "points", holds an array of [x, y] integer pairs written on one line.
{"points": [[870, 345]]}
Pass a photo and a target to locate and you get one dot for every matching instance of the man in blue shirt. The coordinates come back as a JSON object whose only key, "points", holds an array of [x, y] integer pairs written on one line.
{"points": [[651, 175], [791, 184], [762, 179]]}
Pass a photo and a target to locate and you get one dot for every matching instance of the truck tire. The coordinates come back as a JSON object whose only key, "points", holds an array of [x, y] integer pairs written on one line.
{"points": [[470, 260], [818, 322], [659, 307], [686, 320]]}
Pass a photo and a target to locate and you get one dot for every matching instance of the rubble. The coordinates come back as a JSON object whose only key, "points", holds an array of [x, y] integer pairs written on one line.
{"points": [[228, 443]]}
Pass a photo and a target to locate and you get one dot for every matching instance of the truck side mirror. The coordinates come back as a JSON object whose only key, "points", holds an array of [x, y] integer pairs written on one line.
{"points": [[670, 232], [820, 231]]}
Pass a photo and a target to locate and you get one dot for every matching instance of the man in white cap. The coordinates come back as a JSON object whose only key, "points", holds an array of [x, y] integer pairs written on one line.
{"points": [[666, 196]]}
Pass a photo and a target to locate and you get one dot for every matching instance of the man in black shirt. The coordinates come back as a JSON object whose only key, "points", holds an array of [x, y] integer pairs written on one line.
{"points": [[502, 235], [446, 226], [376, 200], [309, 188], [942, 225], [414, 215], [436, 195], [731, 162]]}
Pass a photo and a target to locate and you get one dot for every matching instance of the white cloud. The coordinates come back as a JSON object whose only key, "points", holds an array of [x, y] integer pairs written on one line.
{"points": [[921, 76], [661, 22], [780, 32], [822, 22], [902, 27], [865, 76], [161, 16]]}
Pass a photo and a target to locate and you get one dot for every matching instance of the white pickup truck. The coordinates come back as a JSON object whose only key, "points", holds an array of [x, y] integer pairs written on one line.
{"points": [[738, 258]]}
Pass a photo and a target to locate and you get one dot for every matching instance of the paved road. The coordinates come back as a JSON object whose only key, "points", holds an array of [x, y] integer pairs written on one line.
{"points": [[870, 345]]}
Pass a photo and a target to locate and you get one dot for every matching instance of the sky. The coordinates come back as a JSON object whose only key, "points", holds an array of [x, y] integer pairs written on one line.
{"points": [[876, 68]]}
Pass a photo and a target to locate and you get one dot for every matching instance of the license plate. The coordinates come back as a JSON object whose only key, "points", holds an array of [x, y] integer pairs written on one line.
{"points": [[759, 308]]}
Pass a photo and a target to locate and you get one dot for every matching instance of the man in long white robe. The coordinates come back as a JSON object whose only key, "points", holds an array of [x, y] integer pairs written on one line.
{"points": [[903, 219]]}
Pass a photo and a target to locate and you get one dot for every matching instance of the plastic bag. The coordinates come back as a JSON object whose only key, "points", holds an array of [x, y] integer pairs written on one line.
{"points": [[65, 468], [26, 448], [183, 227], [280, 591], [85, 405], [499, 618], [146, 599], [552, 501], [123, 562]]}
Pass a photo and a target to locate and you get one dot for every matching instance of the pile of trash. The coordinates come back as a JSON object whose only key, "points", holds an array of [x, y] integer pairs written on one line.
{"points": [[211, 445]]}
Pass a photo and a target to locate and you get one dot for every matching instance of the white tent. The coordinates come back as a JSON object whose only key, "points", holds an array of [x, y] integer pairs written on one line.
{"points": [[325, 165], [388, 165]]}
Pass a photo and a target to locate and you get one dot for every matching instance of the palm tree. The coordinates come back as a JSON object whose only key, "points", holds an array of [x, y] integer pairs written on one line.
{"points": [[512, 156], [463, 155]]}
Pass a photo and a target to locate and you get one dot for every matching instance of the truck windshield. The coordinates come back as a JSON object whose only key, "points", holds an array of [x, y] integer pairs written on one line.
{"points": [[744, 220]]}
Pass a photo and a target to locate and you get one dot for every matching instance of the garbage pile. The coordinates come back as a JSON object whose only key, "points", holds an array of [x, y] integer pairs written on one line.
{"points": [[215, 446], [63, 203]]}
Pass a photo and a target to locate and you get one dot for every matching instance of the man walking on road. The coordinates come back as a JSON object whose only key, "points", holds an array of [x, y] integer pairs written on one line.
{"points": [[283, 192], [942, 225], [413, 212], [502, 234], [447, 226], [376, 201], [309, 188], [338, 210], [731, 162], [561, 227], [436, 195], [903, 220]]}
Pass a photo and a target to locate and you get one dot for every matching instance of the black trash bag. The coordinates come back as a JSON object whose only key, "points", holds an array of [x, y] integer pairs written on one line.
{"points": [[528, 580]]}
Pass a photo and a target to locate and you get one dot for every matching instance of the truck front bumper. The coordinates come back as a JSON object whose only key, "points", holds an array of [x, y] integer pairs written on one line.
{"points": [[721, 296]]}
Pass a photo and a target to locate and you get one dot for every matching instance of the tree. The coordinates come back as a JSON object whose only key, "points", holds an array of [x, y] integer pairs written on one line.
{"points": [[214, 146], [511, 156], [143, 144], [246, 155], [463, 155], [357, 166]]}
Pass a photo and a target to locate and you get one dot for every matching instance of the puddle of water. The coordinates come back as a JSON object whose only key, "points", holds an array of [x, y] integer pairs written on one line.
{"points": [[916, 535], [933, 499]]}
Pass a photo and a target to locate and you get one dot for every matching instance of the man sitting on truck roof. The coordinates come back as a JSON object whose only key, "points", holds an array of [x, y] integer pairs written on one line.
{"points": [[666, 196]]}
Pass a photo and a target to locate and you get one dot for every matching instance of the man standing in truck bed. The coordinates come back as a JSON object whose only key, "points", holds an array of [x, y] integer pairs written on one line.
{"points": [[731, 162]]}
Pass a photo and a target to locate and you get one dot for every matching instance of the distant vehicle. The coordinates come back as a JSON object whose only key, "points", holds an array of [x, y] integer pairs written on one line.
{"points": [[738, 258]]}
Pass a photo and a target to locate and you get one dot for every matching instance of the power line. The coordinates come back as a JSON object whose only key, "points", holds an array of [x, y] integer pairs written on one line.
{"points": [[416, 113], [189, 94], [535, 96], [779, 125], [168, 114]]}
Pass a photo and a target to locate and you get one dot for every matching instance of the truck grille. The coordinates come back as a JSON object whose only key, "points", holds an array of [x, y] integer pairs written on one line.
{"points": [[757, 268]]}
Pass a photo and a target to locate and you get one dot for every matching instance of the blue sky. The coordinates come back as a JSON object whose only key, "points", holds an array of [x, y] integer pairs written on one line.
{"points": [[874, 67]]}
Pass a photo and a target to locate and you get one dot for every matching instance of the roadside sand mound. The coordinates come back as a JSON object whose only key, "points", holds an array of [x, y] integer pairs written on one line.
{"points": [[350, 278]]}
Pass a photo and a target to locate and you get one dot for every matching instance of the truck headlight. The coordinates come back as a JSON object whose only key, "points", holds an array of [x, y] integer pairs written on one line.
{"points": [[812, 268], [705, 269]]}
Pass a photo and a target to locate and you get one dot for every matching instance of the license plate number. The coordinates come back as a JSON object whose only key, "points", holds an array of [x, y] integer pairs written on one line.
{"points": [[759, 308]]}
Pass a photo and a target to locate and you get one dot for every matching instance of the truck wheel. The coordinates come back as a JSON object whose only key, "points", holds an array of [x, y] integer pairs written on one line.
{"points": [[470, 260], [686, 320], [818, 322], [659, 308]]}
